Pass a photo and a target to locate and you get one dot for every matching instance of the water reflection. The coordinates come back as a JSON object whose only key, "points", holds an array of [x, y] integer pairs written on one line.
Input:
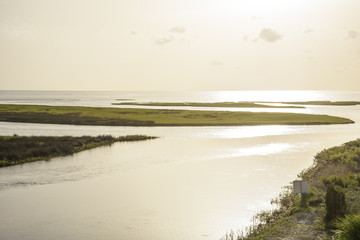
{"points": [[269, 96], [125, 157], [261, 150], [178, 188], [31, 129]]}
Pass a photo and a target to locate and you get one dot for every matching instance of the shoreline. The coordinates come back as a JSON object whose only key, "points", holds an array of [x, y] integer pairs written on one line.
{"points": [[16, 150], [307, 217]]}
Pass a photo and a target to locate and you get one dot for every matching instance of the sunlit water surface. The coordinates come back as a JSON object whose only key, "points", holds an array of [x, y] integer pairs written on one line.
{"points": [[191, 183]]}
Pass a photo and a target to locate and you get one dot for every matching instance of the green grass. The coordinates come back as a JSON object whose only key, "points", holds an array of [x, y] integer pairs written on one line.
{"points": [[348, 228], [16, 150], [155, 117], [213, 104]]}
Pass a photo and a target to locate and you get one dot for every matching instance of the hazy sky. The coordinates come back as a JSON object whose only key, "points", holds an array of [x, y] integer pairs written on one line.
{"points": [[180, 44]]}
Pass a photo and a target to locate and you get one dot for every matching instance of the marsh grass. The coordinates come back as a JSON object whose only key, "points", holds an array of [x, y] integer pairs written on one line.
{"points": [[16, 150], [156, 117]]}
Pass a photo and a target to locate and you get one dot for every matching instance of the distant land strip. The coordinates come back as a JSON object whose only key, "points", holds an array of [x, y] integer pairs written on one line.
{"points": [[21, 149], [155, 117], [240, 104], [324, 103], [203, 104]]}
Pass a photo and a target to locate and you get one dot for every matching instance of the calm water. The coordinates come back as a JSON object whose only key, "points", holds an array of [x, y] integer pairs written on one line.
{"points": [[191, 183]]}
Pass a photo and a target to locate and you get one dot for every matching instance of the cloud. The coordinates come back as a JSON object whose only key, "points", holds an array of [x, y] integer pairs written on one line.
{"points": [[217, 63], [353, 35], [177, 29], [269, 35], [163, 41], [247, 39], [310, 30]]}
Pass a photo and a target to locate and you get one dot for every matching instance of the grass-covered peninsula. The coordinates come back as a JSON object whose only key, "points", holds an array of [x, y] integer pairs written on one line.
{"points": [[155, 117], [204, 104], [330, 210], [16, 150]]}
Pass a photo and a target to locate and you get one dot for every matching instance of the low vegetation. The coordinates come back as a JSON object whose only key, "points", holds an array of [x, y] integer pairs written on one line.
{"points": [[348, 227], [325, 103], [330, 210], [155, 117], [211, 104], [16, 150]]}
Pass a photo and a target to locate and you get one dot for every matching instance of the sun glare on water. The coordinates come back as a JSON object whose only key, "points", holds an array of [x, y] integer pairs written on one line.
{"points": [[262, 150]]}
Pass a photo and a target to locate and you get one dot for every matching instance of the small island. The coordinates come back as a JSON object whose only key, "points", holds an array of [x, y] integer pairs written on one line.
{"points": [[21, 149], [155, 117]]}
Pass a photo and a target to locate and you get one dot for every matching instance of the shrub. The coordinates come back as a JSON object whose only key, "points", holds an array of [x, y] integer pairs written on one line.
{"points": [[306, 198], [335, 204], [285, 199], [346, 181], [348, 227], [353, 200]]}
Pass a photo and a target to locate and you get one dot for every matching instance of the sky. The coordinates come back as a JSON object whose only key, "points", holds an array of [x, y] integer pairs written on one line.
{"points": [[149, 45]]}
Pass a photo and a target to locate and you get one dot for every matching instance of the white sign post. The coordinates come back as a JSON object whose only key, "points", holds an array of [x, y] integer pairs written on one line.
{"points": [[301, 186]]}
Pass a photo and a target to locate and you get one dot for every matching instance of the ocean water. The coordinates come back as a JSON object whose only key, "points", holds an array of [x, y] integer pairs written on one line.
{"points": [[105, 98], [191, 183]]}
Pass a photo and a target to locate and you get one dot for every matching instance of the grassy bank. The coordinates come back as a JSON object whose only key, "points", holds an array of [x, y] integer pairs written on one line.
{"points": [[213, 104], [155, 117], [16, 150], [330, 209]]}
